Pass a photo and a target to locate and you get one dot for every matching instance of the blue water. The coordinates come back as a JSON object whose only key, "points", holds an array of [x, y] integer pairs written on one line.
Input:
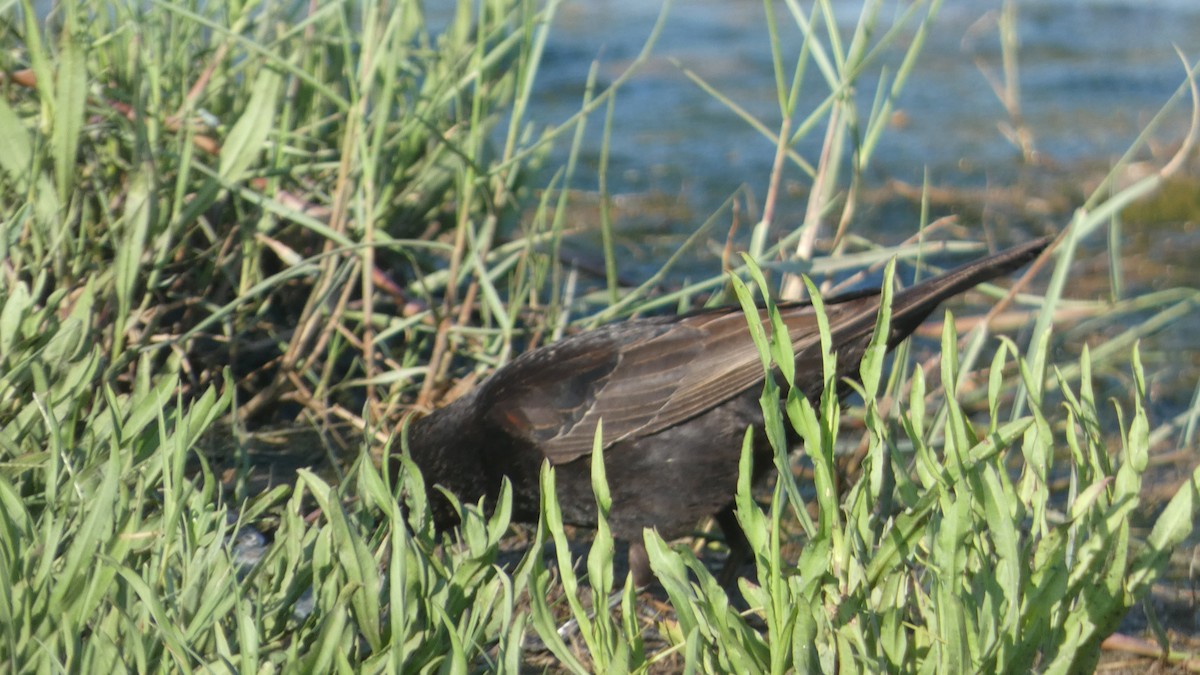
{"points": [[1092, 74]]}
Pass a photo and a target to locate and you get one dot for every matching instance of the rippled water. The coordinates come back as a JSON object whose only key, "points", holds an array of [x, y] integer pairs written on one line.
{"points": [[1092, 74]]}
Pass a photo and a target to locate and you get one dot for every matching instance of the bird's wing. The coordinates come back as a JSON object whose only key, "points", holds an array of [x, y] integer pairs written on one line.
{"points": [[639, 378], [642, 377]]}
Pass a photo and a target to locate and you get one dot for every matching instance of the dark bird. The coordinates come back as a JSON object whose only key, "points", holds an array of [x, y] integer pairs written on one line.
{"points": [[676, 395]]}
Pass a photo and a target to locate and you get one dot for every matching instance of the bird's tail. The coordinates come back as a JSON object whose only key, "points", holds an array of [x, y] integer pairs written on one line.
{"points": [[913, 305]]}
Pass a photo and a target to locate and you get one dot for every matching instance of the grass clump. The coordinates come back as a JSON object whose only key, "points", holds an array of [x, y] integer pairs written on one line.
{"points": [[249, 185], [936, 562], [212, 211]]}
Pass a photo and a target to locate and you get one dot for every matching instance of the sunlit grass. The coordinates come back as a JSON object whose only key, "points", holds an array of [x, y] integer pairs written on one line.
{"points": [[218, 217]]}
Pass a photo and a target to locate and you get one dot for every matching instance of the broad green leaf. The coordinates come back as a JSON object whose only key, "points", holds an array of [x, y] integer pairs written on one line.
{"points": [[249, 134]]}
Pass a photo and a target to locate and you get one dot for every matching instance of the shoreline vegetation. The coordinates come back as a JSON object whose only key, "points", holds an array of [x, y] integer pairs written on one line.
{"points": [[242, 241]]}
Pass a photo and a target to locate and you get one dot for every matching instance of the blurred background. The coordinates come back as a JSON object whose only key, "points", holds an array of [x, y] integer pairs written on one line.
{"points": [[1091, 74]]}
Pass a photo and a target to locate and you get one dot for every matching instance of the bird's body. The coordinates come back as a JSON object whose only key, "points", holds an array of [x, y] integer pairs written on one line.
{"points": [[676, 395]]}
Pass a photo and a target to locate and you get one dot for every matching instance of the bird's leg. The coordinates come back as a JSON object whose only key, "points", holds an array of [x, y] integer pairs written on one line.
{"points": [[739, 546], [639, 565]]}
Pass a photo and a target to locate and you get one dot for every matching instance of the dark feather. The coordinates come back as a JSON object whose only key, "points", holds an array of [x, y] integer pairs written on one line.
{"points": [[675, 395]]}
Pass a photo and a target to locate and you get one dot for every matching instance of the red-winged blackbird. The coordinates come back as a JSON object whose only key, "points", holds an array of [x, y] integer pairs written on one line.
{"points": [[676, 395]]}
